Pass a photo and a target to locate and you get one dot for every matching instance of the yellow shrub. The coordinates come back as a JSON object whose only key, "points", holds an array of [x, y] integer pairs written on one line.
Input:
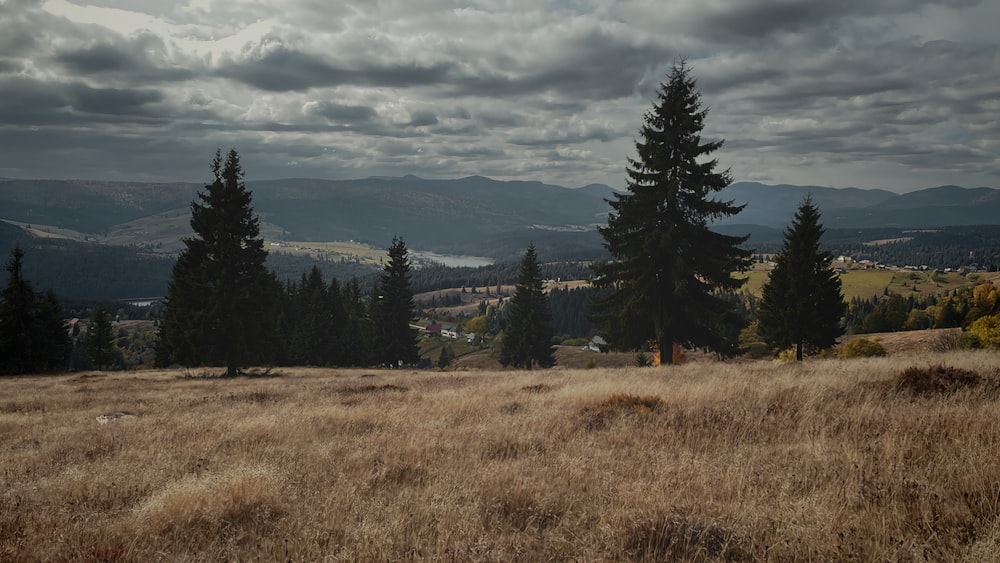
{"points": [[861, 348]]}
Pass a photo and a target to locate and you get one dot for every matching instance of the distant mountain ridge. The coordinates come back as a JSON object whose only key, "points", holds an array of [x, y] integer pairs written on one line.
{"points": [[473, 215]]}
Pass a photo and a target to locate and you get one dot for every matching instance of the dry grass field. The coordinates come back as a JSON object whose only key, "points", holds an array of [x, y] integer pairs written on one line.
{"points": [[830, 460]]}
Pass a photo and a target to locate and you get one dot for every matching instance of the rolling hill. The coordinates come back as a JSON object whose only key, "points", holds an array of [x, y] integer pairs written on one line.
{"points": [[474, 216]]}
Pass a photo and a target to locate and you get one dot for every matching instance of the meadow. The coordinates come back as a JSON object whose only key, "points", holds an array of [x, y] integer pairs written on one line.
{"points": [[745, 461]]}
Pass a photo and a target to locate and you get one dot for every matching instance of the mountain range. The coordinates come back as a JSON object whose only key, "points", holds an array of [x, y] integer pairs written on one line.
{"points": [[473, 216]]}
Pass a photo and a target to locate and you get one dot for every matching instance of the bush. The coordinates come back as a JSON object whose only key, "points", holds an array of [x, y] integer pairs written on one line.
{"points": [[591, 363], [643, 360], [752, 345], [862, 348], [787, 355], [986, 330]]}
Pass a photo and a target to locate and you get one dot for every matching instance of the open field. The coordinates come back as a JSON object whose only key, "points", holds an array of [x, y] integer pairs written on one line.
{"points": [[867, 283], [331, 250], [824, 461], [855, 283]]}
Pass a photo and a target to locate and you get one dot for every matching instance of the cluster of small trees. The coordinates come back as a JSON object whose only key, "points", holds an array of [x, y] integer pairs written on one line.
{"points": [[224, 308], [895, 312], [670, 280], [34, 337], [34, 334]]}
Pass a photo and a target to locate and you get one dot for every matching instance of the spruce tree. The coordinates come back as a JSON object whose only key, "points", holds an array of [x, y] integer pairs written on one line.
{"points": [[313, 326], [33, 334], [527, 340], [802, 304], [668, 269], [393, 310], [100, 339], [219, 305]]}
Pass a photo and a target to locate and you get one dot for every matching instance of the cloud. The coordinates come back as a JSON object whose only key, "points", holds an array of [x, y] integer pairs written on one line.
{"points": [[284, 69], [886, 93]]}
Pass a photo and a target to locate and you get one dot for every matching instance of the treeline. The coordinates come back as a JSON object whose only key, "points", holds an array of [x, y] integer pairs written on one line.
{"points": [[890, 313], [33, 335], [939, 248], [432, 278], [92, 271]]}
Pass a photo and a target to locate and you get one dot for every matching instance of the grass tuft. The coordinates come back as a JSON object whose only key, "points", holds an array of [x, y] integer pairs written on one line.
{"points": [[678, 537], [599, 415], [507, 449], [936, 379], [537, 388], [199, 505], [365, 389], [520, 507]]}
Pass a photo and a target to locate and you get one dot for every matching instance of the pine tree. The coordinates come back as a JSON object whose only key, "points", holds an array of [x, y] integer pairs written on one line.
{"points": [[393, 310], [33, 334], [802, 304], [528, 336], [667, 267], [219, 303], [100, 339], [311, 338], [447, 356]]}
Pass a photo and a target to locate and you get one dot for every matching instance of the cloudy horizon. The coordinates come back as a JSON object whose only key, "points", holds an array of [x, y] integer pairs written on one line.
{"points": [[891, 94]]}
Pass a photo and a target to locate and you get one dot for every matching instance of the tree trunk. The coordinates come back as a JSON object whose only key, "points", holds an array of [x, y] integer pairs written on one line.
{"points": [[666, 352], [798, 351]]}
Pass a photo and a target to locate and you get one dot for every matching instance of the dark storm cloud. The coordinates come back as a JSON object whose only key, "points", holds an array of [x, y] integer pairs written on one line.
{"points": [[422, 118], [100, 58], [130, 60], [34, 102], [282, 69], [9, 66], [590, 64], [343, 113], [762, 20]]}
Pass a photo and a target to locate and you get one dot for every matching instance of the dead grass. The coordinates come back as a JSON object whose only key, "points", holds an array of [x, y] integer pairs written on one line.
{"points": [[758, 461]]}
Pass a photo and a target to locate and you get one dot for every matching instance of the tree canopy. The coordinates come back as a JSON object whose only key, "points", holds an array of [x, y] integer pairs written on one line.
{"points": [[33, 334], [667, 268], [394, 310], [218, 310], [100, 339], [527, 340], [802, 303]]}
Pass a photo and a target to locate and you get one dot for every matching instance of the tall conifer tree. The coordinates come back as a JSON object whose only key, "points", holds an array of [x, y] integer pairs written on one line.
{"points": [[393, 310], [100, 339], [667, 267], [33, 334], [802, 303], [219, 308], [527, 340]]}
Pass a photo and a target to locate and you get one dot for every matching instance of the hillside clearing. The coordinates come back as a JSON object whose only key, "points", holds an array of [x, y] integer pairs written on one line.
{"points": [[706, 461]]}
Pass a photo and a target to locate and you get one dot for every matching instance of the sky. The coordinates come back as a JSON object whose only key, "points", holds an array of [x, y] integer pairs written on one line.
{"points": [[891, 94]]}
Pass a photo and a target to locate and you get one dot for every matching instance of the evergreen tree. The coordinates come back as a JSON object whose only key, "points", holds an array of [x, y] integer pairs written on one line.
{"points": [[311, 338], [801, 303], [359, 331], [34, 336], [447, 356], [667, 267], [393, 310], [219, 304], [100, 339], [527, 340]]}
